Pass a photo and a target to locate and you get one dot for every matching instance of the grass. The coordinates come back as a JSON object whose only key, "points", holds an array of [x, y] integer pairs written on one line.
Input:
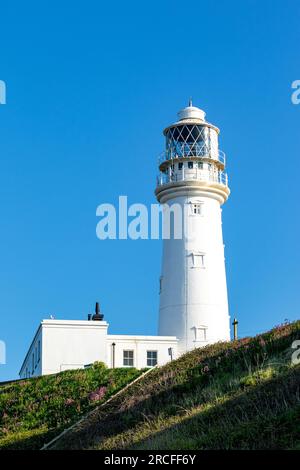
{"points": [[239, 395], [34, 411]]}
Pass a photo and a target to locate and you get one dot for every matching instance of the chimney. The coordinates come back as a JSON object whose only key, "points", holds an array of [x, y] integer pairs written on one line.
{"points": [[98, 316]]}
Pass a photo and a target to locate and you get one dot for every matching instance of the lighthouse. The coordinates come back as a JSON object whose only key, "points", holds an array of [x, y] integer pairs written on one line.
{"points": [[192, 178]]}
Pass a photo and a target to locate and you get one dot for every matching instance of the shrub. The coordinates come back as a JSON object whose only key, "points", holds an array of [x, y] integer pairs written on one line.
{"points": [[49, 403], [98, 365]]}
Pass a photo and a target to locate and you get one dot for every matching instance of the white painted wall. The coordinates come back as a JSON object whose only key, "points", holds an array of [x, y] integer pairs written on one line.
{"points": [[32, 365], [140, 345], [74, 344], [192, 297]]}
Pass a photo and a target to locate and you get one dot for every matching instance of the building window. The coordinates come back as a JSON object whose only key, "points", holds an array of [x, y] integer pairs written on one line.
{"points": [[35, 355], [39, 351], [190, 165], [201, 333], [151, 358], [198, 260], [180, 165], [32, 364], [160, 283], [128, 358], [197, 208], [172, 166], [200, 165]]}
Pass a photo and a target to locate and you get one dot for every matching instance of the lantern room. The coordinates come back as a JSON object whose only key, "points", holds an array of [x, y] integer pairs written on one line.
{"points": [[191, 150], [191, 136]]}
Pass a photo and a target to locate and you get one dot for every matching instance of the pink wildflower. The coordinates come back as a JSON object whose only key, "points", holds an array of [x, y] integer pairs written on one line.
{"points": [[97, 394], [69, 401]]}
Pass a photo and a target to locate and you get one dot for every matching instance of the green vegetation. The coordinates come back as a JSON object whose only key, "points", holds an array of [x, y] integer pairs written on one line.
{"points": [[239, 395], [34, 411]]}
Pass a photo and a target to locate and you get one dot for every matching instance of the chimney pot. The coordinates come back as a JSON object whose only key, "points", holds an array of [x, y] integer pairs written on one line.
{"points": [[98, 316]]}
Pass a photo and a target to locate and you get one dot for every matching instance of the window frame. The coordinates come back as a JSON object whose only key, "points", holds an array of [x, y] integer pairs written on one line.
{"points": [[203, 329], [197, 208], [128, 358], [151, 351], [201, 256]]}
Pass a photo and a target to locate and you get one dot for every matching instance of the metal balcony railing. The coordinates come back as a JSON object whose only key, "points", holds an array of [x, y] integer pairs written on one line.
{"points": [[190, 151], [213, 176]]}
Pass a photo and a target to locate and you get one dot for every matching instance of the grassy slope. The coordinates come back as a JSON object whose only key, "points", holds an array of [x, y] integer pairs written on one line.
{"points": [[241, 395], [33, 411]]}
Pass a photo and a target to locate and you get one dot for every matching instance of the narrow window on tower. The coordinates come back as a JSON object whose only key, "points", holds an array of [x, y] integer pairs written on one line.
{"points": [[201, 333], [180, 164], [198, 260], [200, 165], [197, 208], [190, 165], [160, 283]]}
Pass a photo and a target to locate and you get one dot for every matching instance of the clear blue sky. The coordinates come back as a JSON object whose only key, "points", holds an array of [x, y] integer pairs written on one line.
{"points": [[90, 86]]}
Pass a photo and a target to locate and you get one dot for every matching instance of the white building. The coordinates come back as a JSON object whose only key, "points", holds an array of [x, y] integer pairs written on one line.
{"points": [[59, 345], [193, 293]]}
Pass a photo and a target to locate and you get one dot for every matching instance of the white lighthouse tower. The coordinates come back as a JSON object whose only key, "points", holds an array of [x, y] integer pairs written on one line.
{"points": [[193, 291]]}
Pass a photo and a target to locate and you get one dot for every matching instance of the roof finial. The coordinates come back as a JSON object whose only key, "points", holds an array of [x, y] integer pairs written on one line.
{"points": [[190, 102]]}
